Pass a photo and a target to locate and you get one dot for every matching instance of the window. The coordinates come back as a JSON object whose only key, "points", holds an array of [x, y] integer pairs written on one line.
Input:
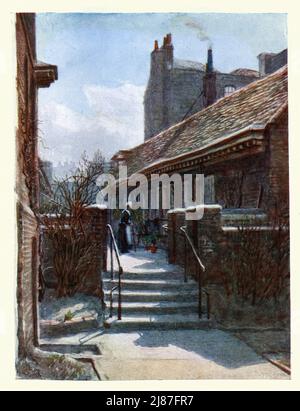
{"points": [[228, 90]]}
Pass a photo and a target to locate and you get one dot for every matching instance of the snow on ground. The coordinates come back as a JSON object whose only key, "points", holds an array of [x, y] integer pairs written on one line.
{"points": [[143, 261], [53, 308]]}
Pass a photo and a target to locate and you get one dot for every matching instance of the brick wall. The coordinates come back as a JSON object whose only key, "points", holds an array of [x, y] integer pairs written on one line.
{"points": [[240, 183], [185, 88], [98, 219], [27, 280], [207, 236], [270, 62], [278, 164], [277, 61], [237, 81], [176, 243], [27, 186]]}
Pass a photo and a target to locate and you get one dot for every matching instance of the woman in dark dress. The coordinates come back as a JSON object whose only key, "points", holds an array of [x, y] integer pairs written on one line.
{"points": [[125, 234]]}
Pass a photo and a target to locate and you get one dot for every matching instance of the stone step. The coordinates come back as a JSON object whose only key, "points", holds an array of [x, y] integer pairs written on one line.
{"points": [[159, 322], [148, 275], [153, 296], [53, 328], [152, 308], [151, 285]]}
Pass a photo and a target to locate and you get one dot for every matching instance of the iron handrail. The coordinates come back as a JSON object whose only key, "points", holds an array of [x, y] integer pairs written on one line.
{"points": [[114, 247], [201, 268], [183, 229]]}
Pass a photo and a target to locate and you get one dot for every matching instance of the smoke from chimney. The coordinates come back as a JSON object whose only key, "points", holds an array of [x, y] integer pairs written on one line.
{"points": [[196, 26], [193, 24]]}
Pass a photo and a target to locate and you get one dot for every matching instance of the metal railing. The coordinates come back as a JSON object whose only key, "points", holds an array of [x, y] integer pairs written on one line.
{"points": [[200, 269], [115, 249]]}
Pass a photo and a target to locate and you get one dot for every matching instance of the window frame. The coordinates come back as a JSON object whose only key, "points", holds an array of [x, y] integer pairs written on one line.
{"points": [[229, 86]]}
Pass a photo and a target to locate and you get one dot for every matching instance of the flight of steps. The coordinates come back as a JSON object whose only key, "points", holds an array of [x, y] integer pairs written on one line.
{"points": [[154, 296]]}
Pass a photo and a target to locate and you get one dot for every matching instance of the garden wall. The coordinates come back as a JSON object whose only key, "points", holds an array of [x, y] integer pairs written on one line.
{"points": [[214, 236]]}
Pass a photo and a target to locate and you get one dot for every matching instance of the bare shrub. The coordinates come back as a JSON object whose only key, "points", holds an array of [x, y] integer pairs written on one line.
{"points": [[67, 226], [255, 262]]}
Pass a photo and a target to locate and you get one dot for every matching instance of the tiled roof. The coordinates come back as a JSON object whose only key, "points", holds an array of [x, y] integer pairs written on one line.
{"points": [[255, 104], [245, 72]]}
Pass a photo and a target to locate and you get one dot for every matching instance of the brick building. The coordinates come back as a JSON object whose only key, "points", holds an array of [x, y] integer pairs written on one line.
{"points": [[31, 74], [270, 62], [178, 88], [240, 144]]}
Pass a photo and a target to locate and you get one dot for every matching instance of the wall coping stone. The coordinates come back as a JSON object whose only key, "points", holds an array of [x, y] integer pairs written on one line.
{"points": [[208, 208], [97, 207], [177, 211]]}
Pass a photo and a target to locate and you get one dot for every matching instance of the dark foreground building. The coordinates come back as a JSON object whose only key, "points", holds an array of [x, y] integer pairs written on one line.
{"points": [[31, 75]]}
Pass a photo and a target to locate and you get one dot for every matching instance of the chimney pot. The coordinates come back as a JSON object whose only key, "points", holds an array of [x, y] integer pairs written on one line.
{"points": [[156, 45], [169, 39]]}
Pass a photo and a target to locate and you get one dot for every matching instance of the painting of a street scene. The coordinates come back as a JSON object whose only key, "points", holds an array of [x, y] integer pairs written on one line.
{"points": [[152, 197]]}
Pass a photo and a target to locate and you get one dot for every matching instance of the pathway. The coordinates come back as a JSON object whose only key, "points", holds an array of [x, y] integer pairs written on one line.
{"points": [[161, 337], [180, 355]]}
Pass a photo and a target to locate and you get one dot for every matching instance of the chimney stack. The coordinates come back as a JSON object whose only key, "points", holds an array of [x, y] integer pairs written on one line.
{"points": [[209, 65], [209, 80], [167, 41], [168, 50]]}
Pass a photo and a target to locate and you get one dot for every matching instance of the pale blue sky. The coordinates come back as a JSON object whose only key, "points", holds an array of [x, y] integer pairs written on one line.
{"points": [[103, 64]]}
